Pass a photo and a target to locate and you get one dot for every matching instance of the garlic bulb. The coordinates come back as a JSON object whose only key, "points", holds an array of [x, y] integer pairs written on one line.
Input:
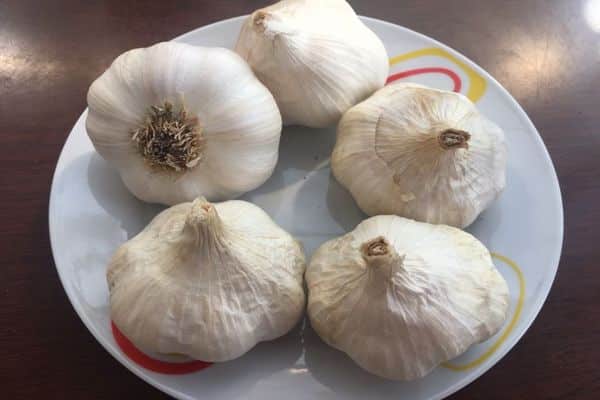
{"points": [[207, 280], [420, 153], [315, 56], [179, 121], [400, 296]]}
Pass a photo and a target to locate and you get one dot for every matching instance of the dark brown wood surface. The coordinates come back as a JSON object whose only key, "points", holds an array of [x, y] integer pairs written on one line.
{"points": [[544, 52]]}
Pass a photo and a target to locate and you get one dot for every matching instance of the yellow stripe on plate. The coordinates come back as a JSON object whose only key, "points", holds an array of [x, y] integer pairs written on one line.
{"points": [[477, 83]]}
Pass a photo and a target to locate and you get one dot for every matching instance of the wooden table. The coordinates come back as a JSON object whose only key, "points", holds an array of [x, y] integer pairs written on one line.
{"points": [[544, 52]]}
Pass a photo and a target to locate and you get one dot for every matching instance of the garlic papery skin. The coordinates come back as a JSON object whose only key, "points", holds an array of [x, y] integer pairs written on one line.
{"points": [[208, 280], [315, 56], [420, 153], [180, 121], [401, 296]]}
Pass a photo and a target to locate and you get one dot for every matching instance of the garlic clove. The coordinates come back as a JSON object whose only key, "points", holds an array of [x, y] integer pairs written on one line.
{"points": [[400, 296], [316, 57], [179, 121], [421, 153], [208, 280]]}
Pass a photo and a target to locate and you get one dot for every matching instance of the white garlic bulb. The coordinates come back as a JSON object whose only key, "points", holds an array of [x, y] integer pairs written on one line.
{"points": [[207, 280], [180, 121], [400, 296], [420, 153], [315, 56]]}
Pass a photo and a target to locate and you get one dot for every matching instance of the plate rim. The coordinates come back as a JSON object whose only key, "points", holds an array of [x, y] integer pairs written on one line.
{"points": [[510, 343]]}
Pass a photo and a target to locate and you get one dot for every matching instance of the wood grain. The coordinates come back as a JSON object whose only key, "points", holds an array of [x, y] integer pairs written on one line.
{"points": [[542, 51]]}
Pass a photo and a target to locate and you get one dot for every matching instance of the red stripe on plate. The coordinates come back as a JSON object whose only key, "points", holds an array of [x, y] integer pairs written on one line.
{"points": [[429, 70], [143, 360]]}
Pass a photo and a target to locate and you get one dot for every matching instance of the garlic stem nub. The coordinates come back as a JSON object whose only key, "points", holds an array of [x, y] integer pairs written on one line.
{"points": [[454, 139], [259, 20], [376, 247], [203, 222], [199, 211], [169, 139], [379, 252]]}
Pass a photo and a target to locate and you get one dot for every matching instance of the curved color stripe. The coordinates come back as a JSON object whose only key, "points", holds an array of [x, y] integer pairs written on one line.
{"points": [[163, 367], [509, 328], [430, 70], [477, 84]]}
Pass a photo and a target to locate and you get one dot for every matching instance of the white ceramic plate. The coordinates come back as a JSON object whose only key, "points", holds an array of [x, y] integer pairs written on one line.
{"points": [[91, 213]]}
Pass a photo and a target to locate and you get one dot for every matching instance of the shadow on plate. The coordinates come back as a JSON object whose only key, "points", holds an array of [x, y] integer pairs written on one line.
{"points": [[342, 206], [247, 371], [338, 372], [113, 196], [304, 148], [301, 152]]}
